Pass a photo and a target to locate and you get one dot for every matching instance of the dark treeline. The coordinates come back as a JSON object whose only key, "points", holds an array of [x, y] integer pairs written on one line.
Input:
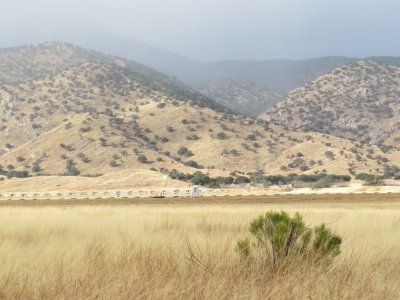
{"points": [[199, 178]]}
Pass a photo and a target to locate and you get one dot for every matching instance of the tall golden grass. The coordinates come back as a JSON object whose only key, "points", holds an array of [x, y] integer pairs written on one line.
{"points": [[187, 252]]}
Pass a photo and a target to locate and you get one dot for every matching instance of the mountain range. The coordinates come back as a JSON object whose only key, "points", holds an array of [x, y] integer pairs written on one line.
{"points": [[71, 111]]}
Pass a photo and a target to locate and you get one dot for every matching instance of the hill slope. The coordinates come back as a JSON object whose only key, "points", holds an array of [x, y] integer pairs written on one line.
{"points": [[240, 96], [97, 119], [26, 63], [360, 101]]}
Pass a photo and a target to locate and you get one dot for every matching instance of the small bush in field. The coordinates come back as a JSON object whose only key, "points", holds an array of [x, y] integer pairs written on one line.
{"points": [[280, 240]]}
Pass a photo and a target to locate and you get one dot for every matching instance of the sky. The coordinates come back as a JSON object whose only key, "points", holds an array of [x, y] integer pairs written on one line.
{"points": [[211, 30]]}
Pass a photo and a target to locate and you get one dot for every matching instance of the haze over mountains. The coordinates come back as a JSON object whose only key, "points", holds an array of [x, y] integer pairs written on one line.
{"points": [[271, 76], [67, 110]]}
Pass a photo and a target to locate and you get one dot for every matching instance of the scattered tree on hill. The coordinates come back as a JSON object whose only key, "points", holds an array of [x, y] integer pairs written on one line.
{"points": [[221, 135], [241, 180], [142, 159], [36, 167], [185, 152], [71, 169], [20, 158]]}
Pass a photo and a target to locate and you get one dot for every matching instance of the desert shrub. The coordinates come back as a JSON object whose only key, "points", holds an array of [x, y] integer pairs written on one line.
{"points": [[71, 169], [304, 168], [221, 135], [280, 240], [329, 180], [161, 105], [85, 129], [17, 174], [391, 171], [185, 152], [142, 159], [224, 180], [297, 162], [200, 179], [36, 167], [175, 174], [93, 175], [251, 137], [83, 157], [370, 179], [241, 180], [193, 164], [2, 171], [20, 158], [113, 164], [193, 137]]}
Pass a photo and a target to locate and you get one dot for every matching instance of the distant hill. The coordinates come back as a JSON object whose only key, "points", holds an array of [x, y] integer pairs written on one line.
{"points": [[104, 115], [360, 101], [275, 76], [279, 76], [240, 96], [20, 64]]}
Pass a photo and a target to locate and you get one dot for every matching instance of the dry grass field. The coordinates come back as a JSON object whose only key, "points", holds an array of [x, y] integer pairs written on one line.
{"points": [[185, 249]]}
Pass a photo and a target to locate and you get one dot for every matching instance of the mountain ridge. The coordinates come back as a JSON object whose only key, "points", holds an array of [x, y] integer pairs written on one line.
{"points": [[357, 101]]}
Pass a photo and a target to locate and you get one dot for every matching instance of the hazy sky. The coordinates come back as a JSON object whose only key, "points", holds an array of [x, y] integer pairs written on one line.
{"points": [[218, 29]]}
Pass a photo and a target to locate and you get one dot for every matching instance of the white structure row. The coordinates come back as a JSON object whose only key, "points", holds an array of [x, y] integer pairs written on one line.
{"points": [[193, 192]]}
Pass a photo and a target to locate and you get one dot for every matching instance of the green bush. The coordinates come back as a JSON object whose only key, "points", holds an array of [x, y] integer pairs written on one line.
{"points": [[280, 240], [370, 179], [36, 167], [241, 180], [185, 152], [193, 164], [17, 174], [200, 179], [221, 135], [329, 180], [71, 169], [142, 159]]}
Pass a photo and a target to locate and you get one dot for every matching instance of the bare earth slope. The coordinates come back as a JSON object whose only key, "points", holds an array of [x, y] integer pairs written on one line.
{"points": [[360, 101]]}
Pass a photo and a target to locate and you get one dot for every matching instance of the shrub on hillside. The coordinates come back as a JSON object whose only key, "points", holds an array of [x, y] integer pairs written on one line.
{"points": [[142, 159], [200, 179], [193, 164], [241, 180], [36, 167], [71, 169], [20, 158], [17, 174], [185, 152], [370, 179], [329, 180], [221, 135]]}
